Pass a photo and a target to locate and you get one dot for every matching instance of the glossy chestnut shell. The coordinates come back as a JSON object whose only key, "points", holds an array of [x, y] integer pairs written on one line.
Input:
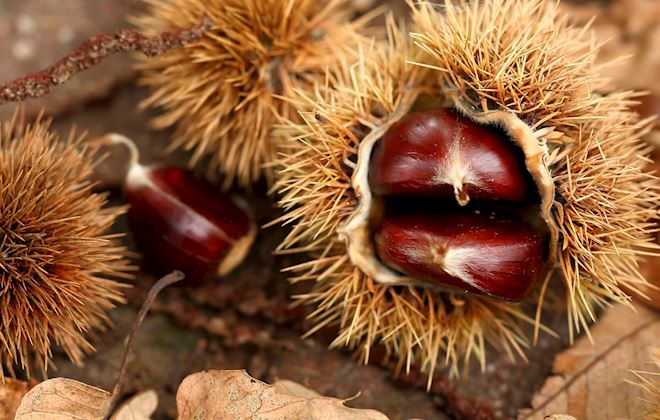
{"points": [[494, 255], [438, 153], [455, 199], [181, 222]]}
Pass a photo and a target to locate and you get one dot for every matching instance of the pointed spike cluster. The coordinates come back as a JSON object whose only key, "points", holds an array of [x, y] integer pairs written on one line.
{"points": [[609, 203], [224, 93], [57, 262], [532, 62]]}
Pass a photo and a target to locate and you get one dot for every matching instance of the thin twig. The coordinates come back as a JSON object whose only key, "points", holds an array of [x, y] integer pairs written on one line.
{"points": [[92, 52], [169, 279]]}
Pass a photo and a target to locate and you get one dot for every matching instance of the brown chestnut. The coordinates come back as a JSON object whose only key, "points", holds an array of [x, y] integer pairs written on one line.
{"points": [[493, 255], [440, 158], [438, 153], [182, 222]]}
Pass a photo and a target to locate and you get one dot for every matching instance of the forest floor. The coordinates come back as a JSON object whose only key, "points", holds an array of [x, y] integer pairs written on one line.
{"points": [[245, 320]]}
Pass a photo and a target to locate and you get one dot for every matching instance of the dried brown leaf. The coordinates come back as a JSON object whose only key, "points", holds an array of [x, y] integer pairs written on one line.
{"points": [[233, 394], [140, 407], [294, 388], [63, 398], [11, 393], [589, 380]]}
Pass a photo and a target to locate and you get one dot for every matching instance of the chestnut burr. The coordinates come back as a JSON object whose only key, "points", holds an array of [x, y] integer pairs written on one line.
{"points": [[527, 129]]}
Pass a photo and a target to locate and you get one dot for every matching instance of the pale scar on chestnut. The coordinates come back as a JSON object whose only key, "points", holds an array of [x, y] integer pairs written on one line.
{"points": [[454, 200]]}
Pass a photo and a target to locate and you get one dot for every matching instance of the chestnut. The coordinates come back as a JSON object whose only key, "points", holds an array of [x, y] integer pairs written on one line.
{"points": [[475, 192], [492, 255], [441, 154], [182, 222]]}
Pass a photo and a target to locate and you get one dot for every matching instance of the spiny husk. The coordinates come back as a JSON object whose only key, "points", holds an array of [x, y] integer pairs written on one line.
{"points": [[414, 325], [56, 261], [222, 93], [516, 56], [538, 67]]}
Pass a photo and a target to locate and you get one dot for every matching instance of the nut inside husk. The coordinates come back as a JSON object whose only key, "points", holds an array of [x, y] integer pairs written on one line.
{"points": [[583, 150], [357, 231]]}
